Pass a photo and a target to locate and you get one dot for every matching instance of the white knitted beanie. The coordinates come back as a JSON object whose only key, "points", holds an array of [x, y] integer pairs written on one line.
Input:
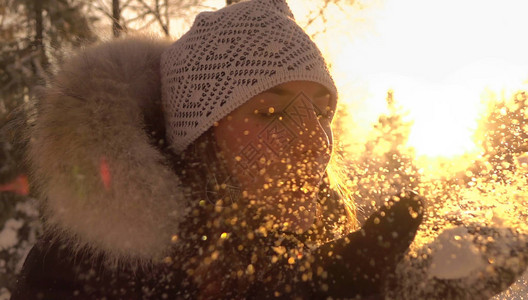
{"points": [[229, 56]]}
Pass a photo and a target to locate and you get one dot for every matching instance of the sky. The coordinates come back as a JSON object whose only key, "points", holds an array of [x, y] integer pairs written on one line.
{"points": [[440, 58]]}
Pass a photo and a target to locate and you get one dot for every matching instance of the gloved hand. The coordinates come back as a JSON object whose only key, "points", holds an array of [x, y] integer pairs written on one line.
{"points": [[357, 264], [352, 266]]}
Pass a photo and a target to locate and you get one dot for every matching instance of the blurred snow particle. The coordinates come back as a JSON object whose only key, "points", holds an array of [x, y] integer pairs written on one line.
{"points": [[29, 208], [9, 235], [4, 294]]}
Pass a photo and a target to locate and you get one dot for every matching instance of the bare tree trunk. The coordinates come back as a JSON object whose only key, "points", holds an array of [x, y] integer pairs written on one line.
{"points": [[37, 7], [38, 44], [116, 16], [167, 19], [157, 11]]}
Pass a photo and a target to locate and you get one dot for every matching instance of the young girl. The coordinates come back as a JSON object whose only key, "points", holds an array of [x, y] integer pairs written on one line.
{"points": [[201, 170]]}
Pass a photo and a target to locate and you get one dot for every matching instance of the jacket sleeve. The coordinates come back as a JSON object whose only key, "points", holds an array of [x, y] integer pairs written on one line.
{"points": [[52, 271]]}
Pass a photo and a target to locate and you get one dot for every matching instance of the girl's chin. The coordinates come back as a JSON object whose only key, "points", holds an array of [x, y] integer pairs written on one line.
{"points": [[300, 225], [294, 212]]}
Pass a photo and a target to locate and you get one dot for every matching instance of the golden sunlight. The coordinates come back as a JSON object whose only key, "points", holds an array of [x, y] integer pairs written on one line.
{"points": [[438, 57]]}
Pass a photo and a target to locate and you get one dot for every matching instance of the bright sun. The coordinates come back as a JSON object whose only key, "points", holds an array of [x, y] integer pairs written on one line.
{"points": [[438, 57]]}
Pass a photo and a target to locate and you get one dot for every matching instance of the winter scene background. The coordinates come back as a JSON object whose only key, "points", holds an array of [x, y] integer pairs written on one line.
{"points": [[433, 98]]}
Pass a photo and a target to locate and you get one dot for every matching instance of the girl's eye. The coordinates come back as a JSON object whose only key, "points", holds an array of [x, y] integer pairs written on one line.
{"points": [[268, 113]]}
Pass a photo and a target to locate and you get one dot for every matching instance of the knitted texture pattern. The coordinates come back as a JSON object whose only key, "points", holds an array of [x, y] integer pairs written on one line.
{"points": [[229, 56]]}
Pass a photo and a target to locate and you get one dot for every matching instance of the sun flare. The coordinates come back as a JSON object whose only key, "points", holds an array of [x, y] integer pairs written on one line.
{"points": [[439, 59]]}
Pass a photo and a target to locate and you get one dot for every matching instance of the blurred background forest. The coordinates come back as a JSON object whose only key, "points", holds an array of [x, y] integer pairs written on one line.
{"points": [[487, 185]]}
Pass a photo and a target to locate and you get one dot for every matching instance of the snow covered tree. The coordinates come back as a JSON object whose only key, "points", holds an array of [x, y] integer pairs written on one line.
{"points": [[504, 133], [385, 167], [145, 15]]}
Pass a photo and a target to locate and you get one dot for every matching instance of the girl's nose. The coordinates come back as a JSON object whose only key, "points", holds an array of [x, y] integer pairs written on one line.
{"points": [[314, 139]]}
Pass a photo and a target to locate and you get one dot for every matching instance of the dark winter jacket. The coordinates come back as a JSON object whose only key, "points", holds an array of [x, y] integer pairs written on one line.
{"points": [[114, 210]]}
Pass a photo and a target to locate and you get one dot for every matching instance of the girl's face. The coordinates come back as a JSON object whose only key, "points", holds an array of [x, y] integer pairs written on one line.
{"points": [[278, 145]]}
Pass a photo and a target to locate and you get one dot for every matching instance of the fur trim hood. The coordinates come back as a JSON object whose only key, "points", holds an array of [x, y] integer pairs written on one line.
{"points": [[104, 184]]}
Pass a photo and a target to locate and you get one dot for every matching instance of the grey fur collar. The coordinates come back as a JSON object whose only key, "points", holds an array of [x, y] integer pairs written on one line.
{"points": [[103, 185]]}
